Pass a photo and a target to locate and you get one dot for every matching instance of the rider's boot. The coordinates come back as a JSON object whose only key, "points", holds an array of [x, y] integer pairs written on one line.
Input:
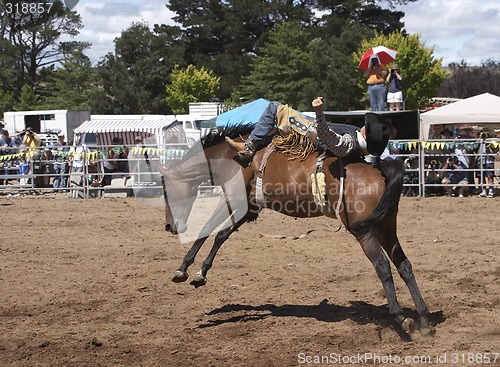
{"points": [[246, 149]]}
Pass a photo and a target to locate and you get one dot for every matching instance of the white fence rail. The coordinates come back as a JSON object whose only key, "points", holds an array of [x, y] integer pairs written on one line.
{"points": [[35, 171]]}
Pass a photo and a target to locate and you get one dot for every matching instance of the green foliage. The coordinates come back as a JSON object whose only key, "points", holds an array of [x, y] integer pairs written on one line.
{"points": [[36, 36], [299, 64], [7, 100], [422, 73], [190, 85], [132, 80], [284, 50], [335, 75], [70, 87], [28, 99], [467, 81], [283, 72], [224, 36]]}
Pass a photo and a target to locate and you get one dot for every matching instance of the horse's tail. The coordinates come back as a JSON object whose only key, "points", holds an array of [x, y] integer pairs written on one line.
{"points": [[393, 172]]}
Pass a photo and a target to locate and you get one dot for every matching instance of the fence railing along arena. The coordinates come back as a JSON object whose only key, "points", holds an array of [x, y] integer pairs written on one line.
{"points": [[34, 170]]}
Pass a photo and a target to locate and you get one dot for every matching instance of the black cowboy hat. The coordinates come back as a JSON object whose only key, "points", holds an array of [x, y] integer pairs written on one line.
{"points": [[377, 133]]}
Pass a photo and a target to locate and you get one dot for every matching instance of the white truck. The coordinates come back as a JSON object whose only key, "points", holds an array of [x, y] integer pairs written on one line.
{"points": [[46, 122]]}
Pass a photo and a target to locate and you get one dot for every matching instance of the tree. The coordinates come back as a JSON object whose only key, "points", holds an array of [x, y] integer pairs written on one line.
{"points": [[133, 78], [71, 86], [36, 34], [8, 72], [298, 64], [224, 36], [190, 85], [422, 73], [28, 99], [283, 72], [7, 101], [467, 81]]}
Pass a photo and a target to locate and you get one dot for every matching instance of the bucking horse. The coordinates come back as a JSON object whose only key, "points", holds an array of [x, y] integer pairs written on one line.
{"points": [[364, 196]]}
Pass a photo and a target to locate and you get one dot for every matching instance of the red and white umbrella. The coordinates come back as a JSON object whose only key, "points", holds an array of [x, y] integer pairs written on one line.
{"points": [[384, 55]]}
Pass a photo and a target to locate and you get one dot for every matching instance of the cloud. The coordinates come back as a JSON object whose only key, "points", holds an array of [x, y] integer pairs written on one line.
{"points": [[460, 29], [103, 22]]}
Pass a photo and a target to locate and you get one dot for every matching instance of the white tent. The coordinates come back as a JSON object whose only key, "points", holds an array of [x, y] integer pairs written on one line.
{"points": [[105, 127], [483, 108]]}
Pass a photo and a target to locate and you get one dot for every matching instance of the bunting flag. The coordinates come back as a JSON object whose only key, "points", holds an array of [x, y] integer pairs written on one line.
{"points": [[179, 153], [169, 153]]}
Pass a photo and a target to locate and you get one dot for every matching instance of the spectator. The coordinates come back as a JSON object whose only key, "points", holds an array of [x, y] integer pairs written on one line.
{"points": [[376, 84], [486, 163], [76, 158], [7, 146], [463, 153], [395, 93], [391, 150], [410, 178], [436, 153], [436, 132], [433, 176], [116, 161], [139, 144], [447, 133], [30, 139], [139, 164], [455, 175], [60, 153]]}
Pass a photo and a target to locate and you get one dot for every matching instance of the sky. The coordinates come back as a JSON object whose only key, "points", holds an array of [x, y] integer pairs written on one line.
{"points": [[457, 29]]}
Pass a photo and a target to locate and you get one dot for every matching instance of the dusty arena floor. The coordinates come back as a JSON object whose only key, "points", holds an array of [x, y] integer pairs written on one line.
{"points": [[87, 283]]}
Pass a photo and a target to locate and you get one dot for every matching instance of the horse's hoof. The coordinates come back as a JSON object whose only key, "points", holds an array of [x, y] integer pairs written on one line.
{"points": [[408, 325], [198, 280], [428, 331], [180, 276]]}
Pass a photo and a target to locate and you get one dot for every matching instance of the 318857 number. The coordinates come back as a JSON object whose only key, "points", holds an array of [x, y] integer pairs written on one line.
{"points": [[28, 7]]}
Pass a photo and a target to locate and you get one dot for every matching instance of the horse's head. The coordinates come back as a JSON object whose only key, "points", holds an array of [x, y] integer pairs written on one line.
{"points": [[179, 194], [212, 159]]}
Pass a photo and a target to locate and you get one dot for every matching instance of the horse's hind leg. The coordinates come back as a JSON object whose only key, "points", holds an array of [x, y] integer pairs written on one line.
{"points": [[405, 270], [373, 250]]}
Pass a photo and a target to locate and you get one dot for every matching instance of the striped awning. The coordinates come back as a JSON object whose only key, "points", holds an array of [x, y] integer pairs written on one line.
{"points": [[152, 125], [105, 128]]}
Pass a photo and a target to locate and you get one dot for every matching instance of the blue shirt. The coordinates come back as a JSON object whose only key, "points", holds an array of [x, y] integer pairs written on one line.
{"points": [[10, 143], [458, 174], [394, 84]]}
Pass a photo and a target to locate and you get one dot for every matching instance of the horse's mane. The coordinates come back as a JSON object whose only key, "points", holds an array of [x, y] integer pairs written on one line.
{"points": [[216, 136]]}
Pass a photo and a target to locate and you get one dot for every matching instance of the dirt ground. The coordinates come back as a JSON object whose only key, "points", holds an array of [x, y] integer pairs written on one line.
{"points": [[87, 283]]}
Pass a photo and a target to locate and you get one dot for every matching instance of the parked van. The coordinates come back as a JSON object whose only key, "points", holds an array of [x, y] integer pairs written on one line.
{"points": [[64, 121]]}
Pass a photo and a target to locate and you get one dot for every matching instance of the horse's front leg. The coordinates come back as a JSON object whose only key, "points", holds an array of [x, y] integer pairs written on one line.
{"points": [[200, 277], [219, 215], [181, 275]]}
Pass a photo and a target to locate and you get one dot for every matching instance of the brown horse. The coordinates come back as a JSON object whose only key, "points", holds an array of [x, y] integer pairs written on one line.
{"points": [[369, 205]]}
